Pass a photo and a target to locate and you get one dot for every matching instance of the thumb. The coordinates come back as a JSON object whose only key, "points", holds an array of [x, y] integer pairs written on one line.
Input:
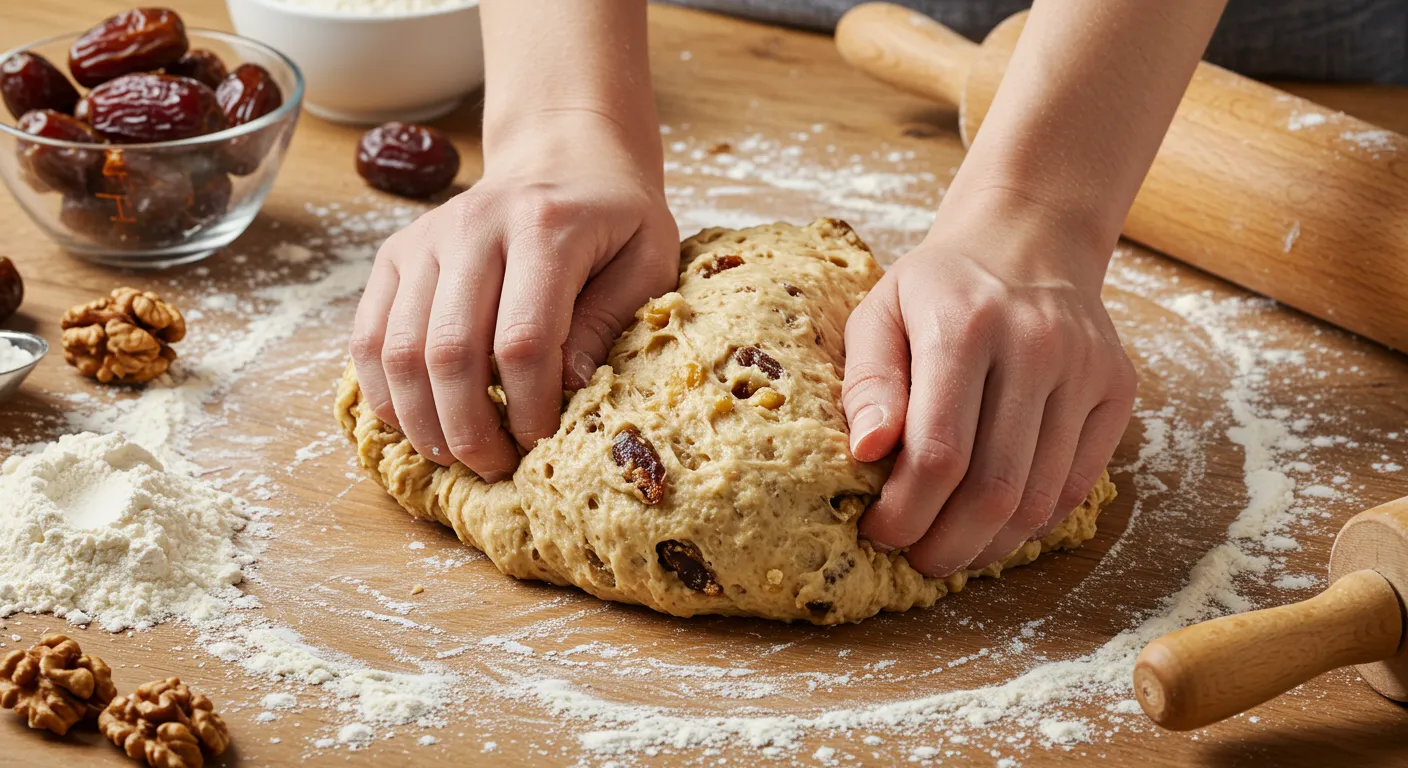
{"points": [[606, 305], [876, 391]]}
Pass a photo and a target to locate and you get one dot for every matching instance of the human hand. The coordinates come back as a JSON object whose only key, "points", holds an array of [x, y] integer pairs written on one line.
{"points": [[987, 357], [542, 264]]}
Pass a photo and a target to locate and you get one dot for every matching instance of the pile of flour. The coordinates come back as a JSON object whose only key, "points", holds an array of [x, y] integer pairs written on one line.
{"points": [[12, 357], [94, 528]]}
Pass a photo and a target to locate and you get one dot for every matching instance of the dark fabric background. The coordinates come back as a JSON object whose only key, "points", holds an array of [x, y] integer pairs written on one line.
{"points": [[1329, 40]]}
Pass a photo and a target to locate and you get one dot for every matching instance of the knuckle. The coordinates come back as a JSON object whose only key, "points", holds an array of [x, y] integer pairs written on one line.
{"points": [[448, 349], [937, 457], [541, 208], [402, 355], [865, 377], [522, 344], [1124, 379], [1038, 503], [469, 445], [365, 345], [998, 492]]}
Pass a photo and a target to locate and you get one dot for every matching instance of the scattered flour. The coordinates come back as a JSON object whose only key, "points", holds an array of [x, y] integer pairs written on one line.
{"points": [[379, 697], [279, 701], [355, 734], [1299, 120], [93, 528], [12, 357], [292, 253], [1064, 731], [1295, 582]]}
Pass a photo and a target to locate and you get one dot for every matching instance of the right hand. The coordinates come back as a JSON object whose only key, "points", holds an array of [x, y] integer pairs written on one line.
{"points": [[542, 264]]}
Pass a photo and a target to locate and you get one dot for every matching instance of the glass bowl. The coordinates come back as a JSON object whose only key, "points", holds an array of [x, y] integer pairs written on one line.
{"points": [[155, 205]]}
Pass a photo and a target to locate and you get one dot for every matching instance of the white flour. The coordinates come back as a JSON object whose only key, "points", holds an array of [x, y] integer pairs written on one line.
{"points": [[12, 357], [94, 529]]}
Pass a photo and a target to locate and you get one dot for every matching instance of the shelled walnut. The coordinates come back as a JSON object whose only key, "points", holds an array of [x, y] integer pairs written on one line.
{"points": [[124, 338], [54, 684], [165, 723]]}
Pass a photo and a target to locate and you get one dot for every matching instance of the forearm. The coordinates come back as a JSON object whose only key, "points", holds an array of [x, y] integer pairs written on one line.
{"points": [[583, 58], [1083, 107]]}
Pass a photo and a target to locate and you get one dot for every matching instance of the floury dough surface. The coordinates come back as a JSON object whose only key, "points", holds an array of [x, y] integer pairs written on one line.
{"points": [[734, 383]]}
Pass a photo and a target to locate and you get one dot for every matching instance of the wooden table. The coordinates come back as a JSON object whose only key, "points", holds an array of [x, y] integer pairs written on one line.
{"points": [[341, 551]]}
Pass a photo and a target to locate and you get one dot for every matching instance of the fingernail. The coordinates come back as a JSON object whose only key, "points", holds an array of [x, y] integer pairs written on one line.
{"points": [[584, 367], [869, 419]]}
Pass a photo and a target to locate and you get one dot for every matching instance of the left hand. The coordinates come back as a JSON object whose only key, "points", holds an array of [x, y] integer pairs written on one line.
{"points": [[987, 357]]}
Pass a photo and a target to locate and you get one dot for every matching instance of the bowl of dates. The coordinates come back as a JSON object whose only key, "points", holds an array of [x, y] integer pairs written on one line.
{"points": [[142, 143]]}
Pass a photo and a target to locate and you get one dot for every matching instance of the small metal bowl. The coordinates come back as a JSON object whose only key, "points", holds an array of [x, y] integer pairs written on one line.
{"points": [[10, 380]]}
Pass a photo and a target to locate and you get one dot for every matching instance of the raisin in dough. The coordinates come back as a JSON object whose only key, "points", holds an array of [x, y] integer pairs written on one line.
{"points": [[705, 469]]}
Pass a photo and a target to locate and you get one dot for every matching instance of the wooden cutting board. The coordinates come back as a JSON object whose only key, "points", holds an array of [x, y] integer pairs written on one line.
{"points": [[341, 552]]}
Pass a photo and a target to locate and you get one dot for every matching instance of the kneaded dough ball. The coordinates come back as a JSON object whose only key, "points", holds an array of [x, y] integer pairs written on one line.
{"points": [[705, 469]]}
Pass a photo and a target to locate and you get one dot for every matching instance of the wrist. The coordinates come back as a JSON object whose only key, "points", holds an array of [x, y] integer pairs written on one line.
{"points": [[546, 140], [1025, 236]]}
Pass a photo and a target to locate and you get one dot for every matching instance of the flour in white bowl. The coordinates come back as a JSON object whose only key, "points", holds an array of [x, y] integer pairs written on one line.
{"points": [[379, 7], [12, 357], [93, 528]]}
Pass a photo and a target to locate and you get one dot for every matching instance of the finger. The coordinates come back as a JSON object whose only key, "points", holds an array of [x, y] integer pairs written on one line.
{"points": [[609, 301], [369, 335], [939, 425], [1098, 439], [460, 338], [403, 360], [540, 287], [988, 496], [876, 390], [1065, 414]]}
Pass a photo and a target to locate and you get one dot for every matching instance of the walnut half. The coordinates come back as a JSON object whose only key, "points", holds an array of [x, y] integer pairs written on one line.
{"points": [[124, 338], [165, 723], [54, 684]]}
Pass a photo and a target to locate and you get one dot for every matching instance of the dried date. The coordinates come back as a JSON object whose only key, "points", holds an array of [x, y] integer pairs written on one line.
{"points": [[246, 95], [640, 464], [407, 160], [11, 289], [685, 561], [139, 40], [752, 357], [136, 109], [210, 197], [200, 64], [727, 261], [29, 82], [68, 170], [140, 200]]}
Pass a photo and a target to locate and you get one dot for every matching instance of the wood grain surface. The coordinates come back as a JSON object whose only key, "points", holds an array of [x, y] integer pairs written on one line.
{"points": [[341, 550]]}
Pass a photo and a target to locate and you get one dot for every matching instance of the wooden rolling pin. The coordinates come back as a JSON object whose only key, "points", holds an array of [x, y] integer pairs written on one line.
{"points": [[1270, 191], [1210, 671]]}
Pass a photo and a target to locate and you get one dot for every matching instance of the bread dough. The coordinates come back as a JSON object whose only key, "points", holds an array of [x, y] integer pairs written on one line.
{"points": [[705, 469]]}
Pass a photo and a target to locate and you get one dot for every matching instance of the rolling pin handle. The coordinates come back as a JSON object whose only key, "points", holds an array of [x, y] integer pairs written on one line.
{"points": [[1213, 670], [906, 49]]}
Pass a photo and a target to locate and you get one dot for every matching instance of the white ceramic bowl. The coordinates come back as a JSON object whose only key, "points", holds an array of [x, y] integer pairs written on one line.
{"points": [[371, 68]]}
